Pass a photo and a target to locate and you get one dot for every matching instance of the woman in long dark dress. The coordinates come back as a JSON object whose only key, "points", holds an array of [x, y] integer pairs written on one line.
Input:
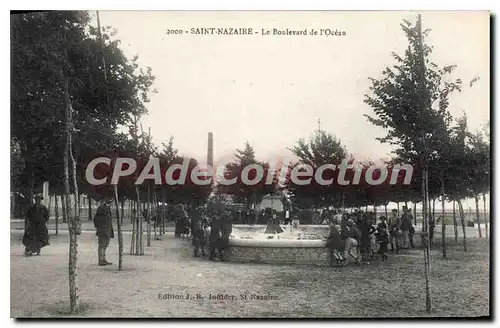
{"points": [[36, 234]]}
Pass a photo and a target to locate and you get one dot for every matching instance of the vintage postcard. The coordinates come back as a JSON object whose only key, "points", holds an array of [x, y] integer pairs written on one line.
{"points": [[250, 164]]}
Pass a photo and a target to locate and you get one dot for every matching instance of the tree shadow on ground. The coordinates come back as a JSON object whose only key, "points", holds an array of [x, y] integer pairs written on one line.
{"points": [[61, 309]]}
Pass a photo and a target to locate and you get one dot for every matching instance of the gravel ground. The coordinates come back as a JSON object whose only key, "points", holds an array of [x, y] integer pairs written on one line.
{"points": [[39, 285]]}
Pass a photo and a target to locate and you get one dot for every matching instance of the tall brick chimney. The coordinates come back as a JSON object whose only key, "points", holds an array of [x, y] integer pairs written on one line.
{"points": [[210, 151]]}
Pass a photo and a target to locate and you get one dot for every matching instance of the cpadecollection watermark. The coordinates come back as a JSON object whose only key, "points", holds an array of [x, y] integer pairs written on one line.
{"points": [[343, 174]]}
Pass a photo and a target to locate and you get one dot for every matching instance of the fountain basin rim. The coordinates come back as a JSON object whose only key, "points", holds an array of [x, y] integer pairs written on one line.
{"points": [[301, 243]]}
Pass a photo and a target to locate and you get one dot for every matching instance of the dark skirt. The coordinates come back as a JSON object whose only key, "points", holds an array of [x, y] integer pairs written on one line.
{"points": [[223, 242], [36, 238], [383, 248], [364, 245], [335, 242]]}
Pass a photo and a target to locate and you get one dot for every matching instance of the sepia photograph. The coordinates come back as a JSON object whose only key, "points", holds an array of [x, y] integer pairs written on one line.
{"points": [[250, 164]]}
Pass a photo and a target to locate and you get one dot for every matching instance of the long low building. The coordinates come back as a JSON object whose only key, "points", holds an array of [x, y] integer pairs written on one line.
{"points": [[271, 201]]}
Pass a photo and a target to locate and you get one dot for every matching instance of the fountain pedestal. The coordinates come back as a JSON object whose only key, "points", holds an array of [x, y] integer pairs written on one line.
{"points": [[273, 228]]}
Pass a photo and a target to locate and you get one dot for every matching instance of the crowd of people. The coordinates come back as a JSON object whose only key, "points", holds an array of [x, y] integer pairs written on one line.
{"points": [[210, 228], [36, 235], [210, 231], [360, 230]]}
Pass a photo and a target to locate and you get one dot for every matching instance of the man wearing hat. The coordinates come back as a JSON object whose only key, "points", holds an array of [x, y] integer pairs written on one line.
{"points": [[226, 228], [104, 227], [216, 231], [405, 227], [36, 234], [394, 227]]}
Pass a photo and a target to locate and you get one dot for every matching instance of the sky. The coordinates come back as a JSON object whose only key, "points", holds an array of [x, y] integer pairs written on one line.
{"points": [[271, 90]]}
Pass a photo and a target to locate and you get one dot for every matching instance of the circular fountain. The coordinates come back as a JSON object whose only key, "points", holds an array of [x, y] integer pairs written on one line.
{"points": [[294, 245]]}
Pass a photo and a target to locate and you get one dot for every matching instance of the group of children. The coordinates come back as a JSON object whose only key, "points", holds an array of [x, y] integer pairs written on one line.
{"points": [[367, 238]]}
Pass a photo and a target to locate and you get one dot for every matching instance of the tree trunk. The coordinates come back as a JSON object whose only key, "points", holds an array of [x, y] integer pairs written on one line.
{"points": [[148, 217], [423, 215], [397, 203], [155, 211], [385, 210], [56, 209], [73, 238], [427, 252], [455, 225], [49, 205], [434, 208], [443, 220], [79, 200], [254, 203], [119, 225], [90, 208], [139, 246], [415, 214], [76, 194], [122, 213], [63, 206], [72, 268], [462, 219], [485, 216], [133, 242], [164, 212], [13, 206], [130, 211], [429, 204], [476, 199]]}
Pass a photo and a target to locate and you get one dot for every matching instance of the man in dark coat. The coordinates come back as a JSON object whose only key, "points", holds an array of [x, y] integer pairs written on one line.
{"points": [[215, 236], [104, 227], [36, 234], [394, 235], [196, 216], [405, 227], [226, 228]]}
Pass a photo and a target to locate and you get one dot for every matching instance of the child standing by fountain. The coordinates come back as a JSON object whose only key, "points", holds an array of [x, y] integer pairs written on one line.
{"points": [[349, 235], [335, 244], [199, 238], [383, 240]]}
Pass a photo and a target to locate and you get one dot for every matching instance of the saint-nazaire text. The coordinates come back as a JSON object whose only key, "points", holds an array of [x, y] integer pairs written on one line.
{"points": [[222, 31]]}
